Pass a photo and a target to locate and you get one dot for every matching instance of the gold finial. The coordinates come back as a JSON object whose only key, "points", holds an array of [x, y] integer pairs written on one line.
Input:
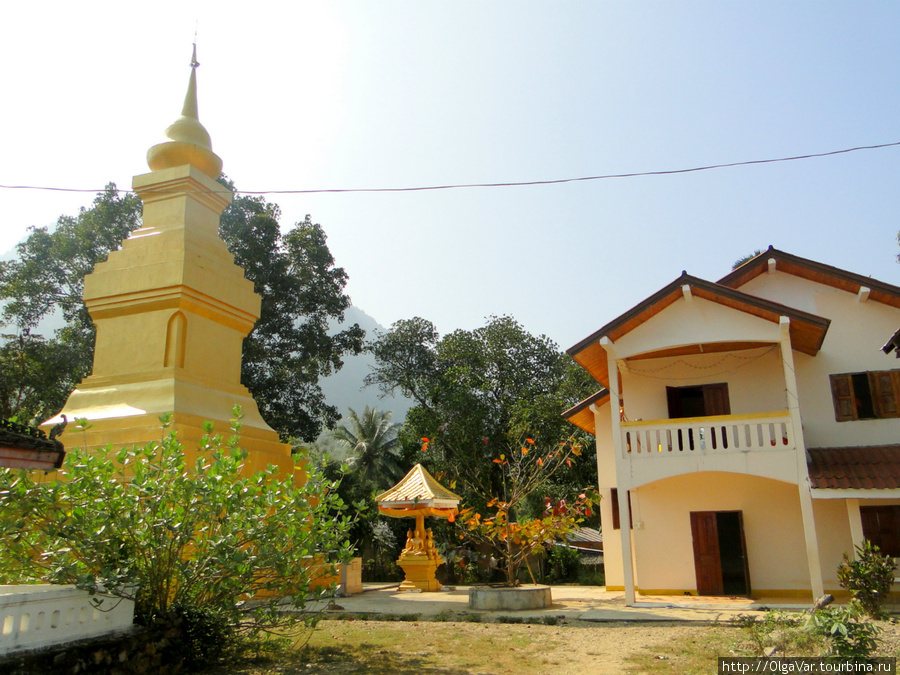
{"points": [[189, 142]]}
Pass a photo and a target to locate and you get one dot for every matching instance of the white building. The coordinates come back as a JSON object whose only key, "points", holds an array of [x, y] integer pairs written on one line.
{"points": [[751, 435]]}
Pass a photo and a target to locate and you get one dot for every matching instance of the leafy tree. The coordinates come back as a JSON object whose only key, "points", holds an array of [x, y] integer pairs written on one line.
{"points": [[372, 441], [523, 471], [183, 540], [47, 277], [290, 348], [747, 258], [30, 384], [479, 390], [292, 344]]}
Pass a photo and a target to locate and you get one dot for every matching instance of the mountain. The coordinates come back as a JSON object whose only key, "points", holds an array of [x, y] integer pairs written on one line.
{"points": [[345, 388]]}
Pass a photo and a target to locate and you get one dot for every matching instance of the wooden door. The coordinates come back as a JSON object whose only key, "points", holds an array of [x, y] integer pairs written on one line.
{"points": [[707, 563]]}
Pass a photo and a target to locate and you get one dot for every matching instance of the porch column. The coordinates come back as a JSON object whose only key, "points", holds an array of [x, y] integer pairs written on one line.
{"points": [[622, 486], [856, 529], [806, 506]]}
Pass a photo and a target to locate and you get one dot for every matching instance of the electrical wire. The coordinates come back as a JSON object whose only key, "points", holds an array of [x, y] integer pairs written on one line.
{"points": [[555, 181]]}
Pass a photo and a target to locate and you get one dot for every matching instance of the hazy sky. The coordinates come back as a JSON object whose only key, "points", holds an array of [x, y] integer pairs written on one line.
{"points": [[336, 95]]}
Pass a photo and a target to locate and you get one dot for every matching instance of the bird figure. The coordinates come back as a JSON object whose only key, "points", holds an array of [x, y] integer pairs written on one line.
{"points": [[58, 429]]}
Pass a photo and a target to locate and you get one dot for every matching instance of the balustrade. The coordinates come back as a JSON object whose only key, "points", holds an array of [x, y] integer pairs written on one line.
{"points": [[706, 435]]}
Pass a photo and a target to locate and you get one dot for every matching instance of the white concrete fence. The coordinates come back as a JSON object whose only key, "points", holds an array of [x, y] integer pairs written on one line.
{"points": [[37, 616]]}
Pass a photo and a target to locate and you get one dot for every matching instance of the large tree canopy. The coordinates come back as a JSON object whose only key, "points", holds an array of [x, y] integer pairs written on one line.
{"points": [[47, 277], [292, 344], [479, 392], [289, 349]]}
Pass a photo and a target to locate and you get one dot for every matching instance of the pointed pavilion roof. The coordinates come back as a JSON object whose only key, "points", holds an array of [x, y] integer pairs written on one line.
{"points": [[418, 488], [189, 141]]}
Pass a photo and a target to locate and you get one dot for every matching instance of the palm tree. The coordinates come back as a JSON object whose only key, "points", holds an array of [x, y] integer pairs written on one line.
{"points": [[372, 441]]}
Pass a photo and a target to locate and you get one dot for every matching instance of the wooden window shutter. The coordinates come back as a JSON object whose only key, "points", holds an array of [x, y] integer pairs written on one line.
{"points": [[842, 393], [715, 399], [614, 498], [884, 393]]}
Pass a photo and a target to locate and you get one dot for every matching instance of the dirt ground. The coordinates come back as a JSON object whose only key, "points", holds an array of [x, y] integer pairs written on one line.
{"points": [[462, 648]]}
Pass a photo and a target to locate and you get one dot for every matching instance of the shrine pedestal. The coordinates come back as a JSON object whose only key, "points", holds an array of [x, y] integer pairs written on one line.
{"points": [[420, 572]]}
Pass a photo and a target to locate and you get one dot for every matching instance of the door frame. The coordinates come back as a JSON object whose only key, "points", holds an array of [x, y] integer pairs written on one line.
{"points": [[708, 553]]}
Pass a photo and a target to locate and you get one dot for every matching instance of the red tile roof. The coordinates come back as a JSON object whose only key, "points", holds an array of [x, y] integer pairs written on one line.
{"points": [[871, 467]]}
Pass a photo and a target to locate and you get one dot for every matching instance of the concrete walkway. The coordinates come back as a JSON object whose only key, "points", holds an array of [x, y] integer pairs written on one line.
{"points": [[586, 603]]}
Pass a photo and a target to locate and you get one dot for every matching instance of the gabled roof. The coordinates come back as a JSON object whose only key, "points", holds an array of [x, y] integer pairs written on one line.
{"points": [[419, 488], [581, 414], [872, 467], [807, 331], [813, 271]]}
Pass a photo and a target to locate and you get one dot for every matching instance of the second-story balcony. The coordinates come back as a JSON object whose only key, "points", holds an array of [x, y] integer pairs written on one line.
{"points": [[715, 435]]}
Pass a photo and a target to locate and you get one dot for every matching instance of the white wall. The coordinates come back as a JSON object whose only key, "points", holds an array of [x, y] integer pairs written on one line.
{"points": [[755, 381], [773, 529], [853, 344]]}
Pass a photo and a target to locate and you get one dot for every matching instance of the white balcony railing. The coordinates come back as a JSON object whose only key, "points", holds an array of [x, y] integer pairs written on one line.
{"points": [[764, 432]]}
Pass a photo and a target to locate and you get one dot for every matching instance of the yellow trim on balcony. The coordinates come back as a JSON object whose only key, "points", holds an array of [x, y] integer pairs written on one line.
{"points": [[712, 419]]}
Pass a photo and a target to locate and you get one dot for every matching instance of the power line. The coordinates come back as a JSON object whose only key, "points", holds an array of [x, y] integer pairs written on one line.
{"points": [[555, 181]]}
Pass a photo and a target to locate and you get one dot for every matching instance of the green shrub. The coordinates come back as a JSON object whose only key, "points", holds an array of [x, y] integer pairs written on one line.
{"points": [[833, 631], [868, 577], [782, 631], [563, 564], [199, 545], [591, 575], [847, 635]]}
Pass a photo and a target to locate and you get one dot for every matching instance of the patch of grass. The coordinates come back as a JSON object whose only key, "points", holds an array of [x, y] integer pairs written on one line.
{"points": [[696, 655], [448, 649], [399, 617]]}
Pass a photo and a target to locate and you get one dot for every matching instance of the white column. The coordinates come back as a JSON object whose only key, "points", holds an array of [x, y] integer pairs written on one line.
{"points": [[806, 505], [622, 482], [856, 530]]}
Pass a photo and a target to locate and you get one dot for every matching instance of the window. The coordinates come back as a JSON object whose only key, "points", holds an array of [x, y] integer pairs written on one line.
{"points": [[698, 401], [866, 396], [614, 498], [881, 526]]}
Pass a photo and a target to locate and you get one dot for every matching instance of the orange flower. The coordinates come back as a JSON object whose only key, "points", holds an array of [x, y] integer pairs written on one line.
{"points": [[540, 462], [530, 441], [524, 450]]}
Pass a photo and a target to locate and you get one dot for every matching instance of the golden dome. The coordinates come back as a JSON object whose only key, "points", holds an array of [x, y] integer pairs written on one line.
{"points": [[189, 142]]}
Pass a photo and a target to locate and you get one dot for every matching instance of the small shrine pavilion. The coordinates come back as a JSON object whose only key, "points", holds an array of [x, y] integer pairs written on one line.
{"points": [[419, 495]]}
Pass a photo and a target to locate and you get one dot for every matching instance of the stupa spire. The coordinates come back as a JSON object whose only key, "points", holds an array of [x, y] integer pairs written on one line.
{"points": [[188, 141], [190, 99]]}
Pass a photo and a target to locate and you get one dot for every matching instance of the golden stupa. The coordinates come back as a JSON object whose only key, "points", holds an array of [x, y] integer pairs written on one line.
{"points": [[171, 310]]}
